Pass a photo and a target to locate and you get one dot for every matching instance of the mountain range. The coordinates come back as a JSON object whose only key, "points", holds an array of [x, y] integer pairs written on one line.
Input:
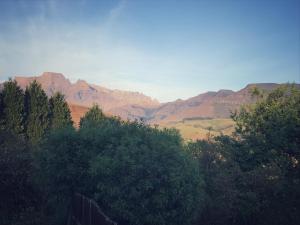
{"points": [[134, 105]]}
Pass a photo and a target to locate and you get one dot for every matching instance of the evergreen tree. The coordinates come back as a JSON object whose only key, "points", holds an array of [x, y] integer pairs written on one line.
{"points": [[60, 115], [1, 111], [92, 117], [37, 112], [12, 107]]}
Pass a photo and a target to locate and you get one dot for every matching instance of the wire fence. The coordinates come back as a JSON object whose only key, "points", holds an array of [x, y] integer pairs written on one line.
{"points": [[85, 211]]}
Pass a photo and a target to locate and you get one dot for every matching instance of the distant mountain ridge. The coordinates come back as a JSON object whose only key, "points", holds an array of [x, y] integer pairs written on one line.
{"points": [[84, 94], [133, 105], [208, 105]]}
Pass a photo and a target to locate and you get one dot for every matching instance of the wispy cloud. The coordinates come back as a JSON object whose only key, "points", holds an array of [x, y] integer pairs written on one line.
{"points": [[90, 52], [115, 12]]}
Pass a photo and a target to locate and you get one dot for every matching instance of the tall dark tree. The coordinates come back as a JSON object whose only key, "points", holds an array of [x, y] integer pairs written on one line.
{"points": [[63, 170], [269, 133], [12, 107], [37, 112], [19, 197], [253, 177], [60, 115], [1, 110]]}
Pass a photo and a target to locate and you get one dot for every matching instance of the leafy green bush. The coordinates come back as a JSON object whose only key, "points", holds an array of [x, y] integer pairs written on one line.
{"points": [[145, 177]]}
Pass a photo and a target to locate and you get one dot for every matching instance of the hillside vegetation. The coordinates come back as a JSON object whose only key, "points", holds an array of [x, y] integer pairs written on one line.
{"points": [[193, 129], [143, 175]]}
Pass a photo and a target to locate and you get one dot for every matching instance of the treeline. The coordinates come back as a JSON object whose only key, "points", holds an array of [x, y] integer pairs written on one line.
{"points": [[26, 117], [31, 114], [141, 175]]}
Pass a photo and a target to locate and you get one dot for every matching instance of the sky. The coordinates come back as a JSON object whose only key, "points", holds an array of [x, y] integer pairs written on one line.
{"points": [[164, 49]]}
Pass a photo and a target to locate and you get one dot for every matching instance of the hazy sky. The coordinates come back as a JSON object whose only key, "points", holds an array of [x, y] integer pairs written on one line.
{"points": [[165, 49]]}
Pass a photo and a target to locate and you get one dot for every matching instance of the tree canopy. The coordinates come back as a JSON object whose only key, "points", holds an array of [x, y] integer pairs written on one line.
{"points": [[12, 107], [60, 115], [137, 174], [93, 117], [37, 112], [253, 176]]}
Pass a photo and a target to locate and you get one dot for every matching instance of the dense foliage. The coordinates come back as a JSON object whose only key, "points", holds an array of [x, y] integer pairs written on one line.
{"points": [[137, 174], [60, 115], [37, 110], [12, 108], [24, 122], [143, 175], [253, 177], [93, 118], [19, 195]]}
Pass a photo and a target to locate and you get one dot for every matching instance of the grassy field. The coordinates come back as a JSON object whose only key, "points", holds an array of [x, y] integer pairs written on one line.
{"points": [[199, 128]]}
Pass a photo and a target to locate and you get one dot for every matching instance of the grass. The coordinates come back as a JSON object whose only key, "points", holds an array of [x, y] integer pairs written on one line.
{"points": [[199, 128]]}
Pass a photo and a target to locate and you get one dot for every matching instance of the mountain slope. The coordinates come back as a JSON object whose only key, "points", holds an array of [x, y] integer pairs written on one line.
{"points": [[84, 94], [134, 105], [208, 105]]}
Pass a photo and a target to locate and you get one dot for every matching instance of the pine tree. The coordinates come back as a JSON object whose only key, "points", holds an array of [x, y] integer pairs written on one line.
{"points": [[1, 111], [92, 117], [37, 112], [12, 108], [60, 115]]}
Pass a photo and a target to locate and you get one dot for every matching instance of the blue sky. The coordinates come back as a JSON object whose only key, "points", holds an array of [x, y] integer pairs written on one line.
{"points": [[165, 49]]}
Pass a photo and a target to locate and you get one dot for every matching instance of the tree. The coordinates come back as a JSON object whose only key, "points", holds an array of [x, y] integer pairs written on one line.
{"points": [[19, 196], [37, 112], [1, 111], [63, 164], [143, 176], [253, 176], [272, 126], [93, 117], [60, 115], [222, 177], [12, 107], [270, 135], [137, 174]]}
